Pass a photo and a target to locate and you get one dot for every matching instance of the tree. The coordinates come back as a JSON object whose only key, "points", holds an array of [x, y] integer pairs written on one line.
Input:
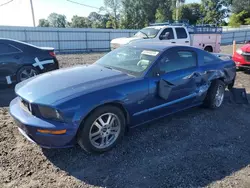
{"points": [[80, 22], [96, 20], [214, 11], [133, 15], [43, 23], [57, 20], [164, 11], [113, 7], [236, 20], [178, 3], [238, 6], [191, 12]]}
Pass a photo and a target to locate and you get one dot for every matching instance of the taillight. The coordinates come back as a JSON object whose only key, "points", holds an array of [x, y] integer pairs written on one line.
{"points": [[53, 54]]}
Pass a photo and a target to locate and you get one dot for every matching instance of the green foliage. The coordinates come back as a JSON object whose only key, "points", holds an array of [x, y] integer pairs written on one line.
{"points": [[165, 10], [113, 8], [133, 16], [238, 6], [247, 21], [43, 23], [214, 11], [136, 14], [80, 22], [189, 11], [239, 19], [57, 20]]}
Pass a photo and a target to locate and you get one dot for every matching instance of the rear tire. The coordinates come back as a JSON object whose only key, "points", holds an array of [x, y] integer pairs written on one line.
{"points": [[98, 136], [26, 72], [215, 95]]}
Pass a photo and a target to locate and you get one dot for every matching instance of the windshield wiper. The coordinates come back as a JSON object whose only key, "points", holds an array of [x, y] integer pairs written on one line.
{"points": [[144, 34]]}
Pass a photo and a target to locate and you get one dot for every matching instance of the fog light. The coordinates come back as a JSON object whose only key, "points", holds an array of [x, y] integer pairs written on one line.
{"points": [[45, 131]]}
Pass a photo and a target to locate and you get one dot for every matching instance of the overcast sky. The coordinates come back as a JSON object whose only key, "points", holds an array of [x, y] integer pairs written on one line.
{"points": [[18, 12]]}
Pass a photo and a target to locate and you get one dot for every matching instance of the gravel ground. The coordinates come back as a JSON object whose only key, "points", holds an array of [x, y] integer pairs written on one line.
{"points": [[194, 148]]}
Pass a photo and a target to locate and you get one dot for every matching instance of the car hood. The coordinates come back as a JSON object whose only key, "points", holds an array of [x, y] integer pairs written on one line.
{"points": [[58, 85], [246, 48], [123, 41]]}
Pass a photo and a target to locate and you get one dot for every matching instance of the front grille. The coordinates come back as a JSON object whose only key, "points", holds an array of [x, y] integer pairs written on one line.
{"points": [[247, 57], [26, 105]]}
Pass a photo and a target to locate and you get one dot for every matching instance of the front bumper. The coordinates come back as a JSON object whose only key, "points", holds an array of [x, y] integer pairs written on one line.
{"points": [[29, 124]]}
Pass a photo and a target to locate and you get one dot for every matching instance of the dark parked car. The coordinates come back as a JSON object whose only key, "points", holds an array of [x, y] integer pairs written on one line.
{"points": [[93, 105], [20, 61]]}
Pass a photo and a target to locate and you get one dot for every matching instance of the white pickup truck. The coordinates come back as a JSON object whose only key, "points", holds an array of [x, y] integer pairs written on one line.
{"points": [[203, 37]]}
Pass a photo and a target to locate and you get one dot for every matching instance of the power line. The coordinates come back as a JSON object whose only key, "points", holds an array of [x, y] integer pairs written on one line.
{"points": [[32, 12], [6, 3], [83, 4]]}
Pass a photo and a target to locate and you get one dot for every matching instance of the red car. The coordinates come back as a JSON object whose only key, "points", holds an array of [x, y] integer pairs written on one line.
{"points": [[242, 57]]}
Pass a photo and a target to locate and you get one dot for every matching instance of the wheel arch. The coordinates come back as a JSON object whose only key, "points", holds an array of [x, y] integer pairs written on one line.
{"points": [[209, 48], [113, 103]]}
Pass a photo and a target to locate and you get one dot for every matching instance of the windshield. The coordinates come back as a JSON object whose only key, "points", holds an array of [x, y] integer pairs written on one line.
{"points": [[147, 33], [130, 60]]}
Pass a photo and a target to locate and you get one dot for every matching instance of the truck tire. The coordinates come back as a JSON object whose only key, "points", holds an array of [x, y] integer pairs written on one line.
{"points": [[102, 129], [215, 95]]}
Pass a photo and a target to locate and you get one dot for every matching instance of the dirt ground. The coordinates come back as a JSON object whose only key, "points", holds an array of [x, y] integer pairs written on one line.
{"points": [[194, 148]]}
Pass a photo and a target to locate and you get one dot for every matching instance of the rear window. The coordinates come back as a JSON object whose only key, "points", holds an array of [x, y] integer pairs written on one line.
{"points": [[181, 33], [7, 49], [209, 59]]}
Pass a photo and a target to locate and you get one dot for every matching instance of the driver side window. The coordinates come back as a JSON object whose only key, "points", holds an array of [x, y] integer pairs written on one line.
{"points": [[167, 34], [177, 60]]}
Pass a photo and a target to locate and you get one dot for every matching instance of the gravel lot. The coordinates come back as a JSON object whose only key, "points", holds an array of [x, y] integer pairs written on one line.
{"points": [[194, 148]]}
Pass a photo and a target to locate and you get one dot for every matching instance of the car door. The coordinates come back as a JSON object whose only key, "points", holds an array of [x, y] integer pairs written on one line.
{"points": [[167, 36], [182, 36], [173, 82]]}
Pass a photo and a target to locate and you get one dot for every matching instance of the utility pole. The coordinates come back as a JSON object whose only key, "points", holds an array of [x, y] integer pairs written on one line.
{"points": [[33, 15]]}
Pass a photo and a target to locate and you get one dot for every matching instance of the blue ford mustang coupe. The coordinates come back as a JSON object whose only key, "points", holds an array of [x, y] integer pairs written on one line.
{"points": [[93, 105]]}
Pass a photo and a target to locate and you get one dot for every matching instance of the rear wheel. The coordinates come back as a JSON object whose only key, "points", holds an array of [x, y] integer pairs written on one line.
{"points": [[26, 72], [102, 130], [215, 95]]}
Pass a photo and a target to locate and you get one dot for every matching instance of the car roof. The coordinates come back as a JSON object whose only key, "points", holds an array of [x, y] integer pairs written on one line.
{"points": [[18, 42]]}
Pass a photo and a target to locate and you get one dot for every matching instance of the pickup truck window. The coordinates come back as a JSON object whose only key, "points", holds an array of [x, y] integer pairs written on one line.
{"points": [[181, 33], [169, 32], [147, 33], [177, 60]]}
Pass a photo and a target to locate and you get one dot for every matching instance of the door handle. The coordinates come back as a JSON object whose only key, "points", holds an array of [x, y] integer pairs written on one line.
{"points": [[186, 41], [173, 42]]}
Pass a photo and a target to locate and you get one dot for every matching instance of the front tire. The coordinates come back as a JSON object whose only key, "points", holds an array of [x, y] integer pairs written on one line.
{"points": [[215, 95], [102, 129]]}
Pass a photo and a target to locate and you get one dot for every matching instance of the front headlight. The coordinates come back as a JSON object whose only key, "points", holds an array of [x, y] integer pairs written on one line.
{"points": [[239, 51], [50, 113]]}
